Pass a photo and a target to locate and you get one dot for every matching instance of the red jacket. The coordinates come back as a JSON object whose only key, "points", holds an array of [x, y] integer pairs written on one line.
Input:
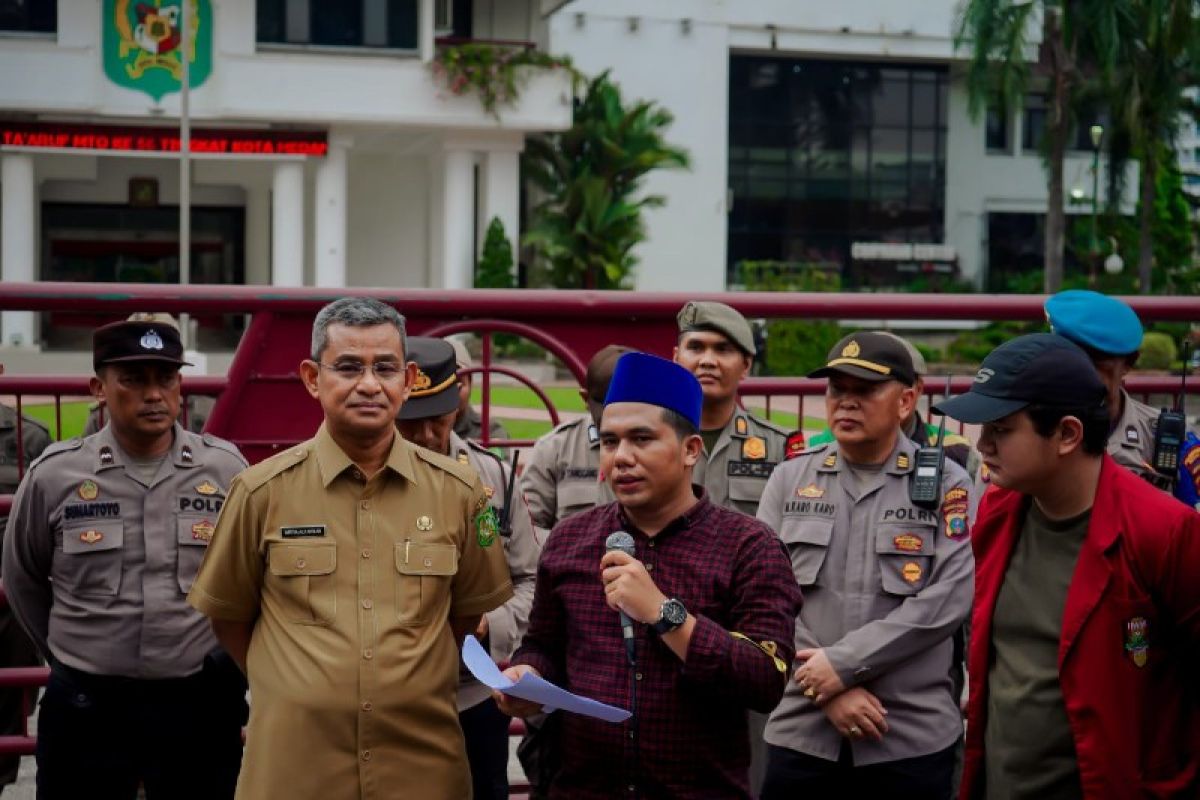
{"points": [[1129, 655]]}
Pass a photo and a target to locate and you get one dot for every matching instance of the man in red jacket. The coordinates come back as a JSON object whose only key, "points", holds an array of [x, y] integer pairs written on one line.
{"points": [[1086, 628]]}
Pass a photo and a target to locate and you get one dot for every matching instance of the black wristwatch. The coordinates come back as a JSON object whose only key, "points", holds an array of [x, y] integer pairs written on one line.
{"points": [[671, 615]]}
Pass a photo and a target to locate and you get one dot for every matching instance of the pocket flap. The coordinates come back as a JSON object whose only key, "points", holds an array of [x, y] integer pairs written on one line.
{"points": [[806, 531], [905, 540], [424, 558], [292, 558], [93, 537], [196, 529]]}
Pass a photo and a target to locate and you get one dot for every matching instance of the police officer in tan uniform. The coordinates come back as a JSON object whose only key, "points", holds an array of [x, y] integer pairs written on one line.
{"points": [[562, 475], [426, 419], [105, 538], [887, 582], [740, 450], [343, 574], [17, 452]]}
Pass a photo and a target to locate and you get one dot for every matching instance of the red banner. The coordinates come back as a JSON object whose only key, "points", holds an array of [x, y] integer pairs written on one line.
{"points": [[119, 138]]}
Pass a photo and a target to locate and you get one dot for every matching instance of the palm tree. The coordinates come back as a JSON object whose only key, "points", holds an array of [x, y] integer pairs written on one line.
{"points": [[1076, 35], [590, 176]]}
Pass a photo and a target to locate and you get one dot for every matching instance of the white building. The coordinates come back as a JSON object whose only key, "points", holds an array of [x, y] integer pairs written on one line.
{"points": [[814, 126], [357, 166]]}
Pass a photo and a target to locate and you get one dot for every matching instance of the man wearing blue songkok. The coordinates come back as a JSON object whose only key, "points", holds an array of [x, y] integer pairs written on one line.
{"points": [[708, 594], [1110, 332]]}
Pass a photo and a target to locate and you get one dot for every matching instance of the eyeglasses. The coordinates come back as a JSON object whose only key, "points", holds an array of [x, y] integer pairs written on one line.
{"points": [[385, 371]]}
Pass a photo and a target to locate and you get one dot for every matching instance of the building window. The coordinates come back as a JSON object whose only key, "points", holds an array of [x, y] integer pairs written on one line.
{"points": [[996, 128], [1033, 122], [823, 154], [390, 24], [28, 16]]}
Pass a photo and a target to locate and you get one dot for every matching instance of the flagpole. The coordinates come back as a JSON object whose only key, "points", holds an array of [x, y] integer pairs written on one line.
{"points": [[185, 179]]}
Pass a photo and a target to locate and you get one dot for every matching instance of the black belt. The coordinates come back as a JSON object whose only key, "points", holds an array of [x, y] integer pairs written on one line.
{"points": [[89, 681]]}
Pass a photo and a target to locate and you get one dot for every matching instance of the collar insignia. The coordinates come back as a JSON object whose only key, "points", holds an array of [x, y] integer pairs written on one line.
{"points": [[830, 460], [739, 426], [1131, 435], [185, 453], [462, 457], [106, 456], [902, 461]]}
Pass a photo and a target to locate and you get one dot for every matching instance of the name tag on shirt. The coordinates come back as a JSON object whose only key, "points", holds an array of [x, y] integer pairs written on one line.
{"points": [[750, 469], [302, 531]]}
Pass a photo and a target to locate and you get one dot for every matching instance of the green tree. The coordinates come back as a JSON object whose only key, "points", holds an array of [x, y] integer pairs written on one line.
{"points": [[589, 218], [1077, 36], [495, 268]]}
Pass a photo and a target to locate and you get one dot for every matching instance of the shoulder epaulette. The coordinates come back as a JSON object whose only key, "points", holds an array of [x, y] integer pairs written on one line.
{"points": [[255, 476], [483, 451], [222, 444], [769, 425], [54, 448], [463, 472], [813, 449]]}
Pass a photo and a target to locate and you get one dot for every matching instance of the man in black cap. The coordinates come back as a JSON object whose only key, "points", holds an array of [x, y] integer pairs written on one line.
{"points": [[870, 710], [427, 419], [1086, 620], [105, 538]]}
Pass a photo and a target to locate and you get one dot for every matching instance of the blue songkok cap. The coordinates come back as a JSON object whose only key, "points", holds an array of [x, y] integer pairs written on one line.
{"points": [[643, 378], [1095, 321]]}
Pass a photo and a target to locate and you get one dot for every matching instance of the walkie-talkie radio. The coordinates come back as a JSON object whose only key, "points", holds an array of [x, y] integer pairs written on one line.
{"points": [[1170, 430], [925, 486]]}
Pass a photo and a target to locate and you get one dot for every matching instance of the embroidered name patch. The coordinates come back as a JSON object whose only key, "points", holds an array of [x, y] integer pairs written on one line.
{"points": [[302, 531], [750, 469]]}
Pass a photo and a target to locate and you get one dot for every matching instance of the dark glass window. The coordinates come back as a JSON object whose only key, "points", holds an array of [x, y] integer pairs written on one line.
{"points": [[29, 16], [1033, 122], [996, 127], [339, 23], [823, 154]]}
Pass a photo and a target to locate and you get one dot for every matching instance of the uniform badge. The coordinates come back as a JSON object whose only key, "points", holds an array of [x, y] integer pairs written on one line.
{"points": [[424, 523], [1137, 642], [909, 542], [91, 536], [489, 492], [207, 488], [851, 350], [593, 434], [1131, 435], [795, 445], [185, 453], [106, 456], [954, 512], [754, 448], [903, 461], [830, 460], [812, 491], [739, 426], [462, 457], [151, 340], [88, 490], [911, 572], [422, 381], [486, 527], [203, 531]]}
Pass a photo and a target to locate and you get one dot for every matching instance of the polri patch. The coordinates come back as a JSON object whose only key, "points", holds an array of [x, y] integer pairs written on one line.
{"points": [[302, 531], [750, 469]]}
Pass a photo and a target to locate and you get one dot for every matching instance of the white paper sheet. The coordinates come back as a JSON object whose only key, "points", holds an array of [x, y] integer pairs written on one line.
{"points": [[533, 688]]}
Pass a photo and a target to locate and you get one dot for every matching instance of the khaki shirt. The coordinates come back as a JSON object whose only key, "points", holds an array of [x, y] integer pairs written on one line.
{"points": [[506, 624], [562, 475], [886, 585], [736, 471], [97, 565], [350, 583]]}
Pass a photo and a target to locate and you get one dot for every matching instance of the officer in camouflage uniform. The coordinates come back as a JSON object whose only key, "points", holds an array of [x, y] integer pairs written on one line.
{"points": [[426, 419]]}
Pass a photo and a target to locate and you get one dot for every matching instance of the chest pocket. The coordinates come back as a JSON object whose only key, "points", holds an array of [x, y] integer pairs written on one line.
{"points": [[807, 542], [91, 558], [905, 554], [192, 535], [424, 573], [575, 496], [745, 492], [302, 574]]}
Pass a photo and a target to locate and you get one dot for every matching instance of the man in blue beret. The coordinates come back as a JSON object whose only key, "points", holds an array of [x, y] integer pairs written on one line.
{"points": [[707, 594], [1110, 332]]}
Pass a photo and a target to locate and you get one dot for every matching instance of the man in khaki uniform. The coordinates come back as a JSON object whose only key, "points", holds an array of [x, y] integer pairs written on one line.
{"points": [[740, 450], [105, 538], [562, 475], [342, 575], [426, 419], [887, 583], [468, 423]]}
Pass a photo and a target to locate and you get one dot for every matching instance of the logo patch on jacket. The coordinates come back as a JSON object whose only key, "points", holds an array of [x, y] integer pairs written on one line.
{"points": [[754, 449], [954, 512], [1137, 640]]}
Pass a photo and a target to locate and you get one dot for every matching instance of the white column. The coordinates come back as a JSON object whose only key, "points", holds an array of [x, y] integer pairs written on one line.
{"points": [[287, 224], [425, 32], [455, 220], [18, 238], [258, 232], [330, 234], [500, 195]]}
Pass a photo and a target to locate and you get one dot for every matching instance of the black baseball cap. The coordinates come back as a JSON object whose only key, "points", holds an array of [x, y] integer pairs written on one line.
{"points": [[1041, 368], [137, 340], [435, 391], [872, 356]]}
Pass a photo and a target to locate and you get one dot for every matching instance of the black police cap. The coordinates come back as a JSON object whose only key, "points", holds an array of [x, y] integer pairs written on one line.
{"points": [[872, 356], [435, 391], [126, 341]]}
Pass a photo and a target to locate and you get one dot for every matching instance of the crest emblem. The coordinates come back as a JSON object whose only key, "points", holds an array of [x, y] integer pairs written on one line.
{"points": [[424, 523], [754, 448], [911, 572], [489, 492], [207, 488], [151, 340], [487, 525], [423, 381], [954, 513], [851, 350], [203, 531], [88, 490], [909, 542], [812, 492], [91, 536], [143, 45], [1137, 640]]}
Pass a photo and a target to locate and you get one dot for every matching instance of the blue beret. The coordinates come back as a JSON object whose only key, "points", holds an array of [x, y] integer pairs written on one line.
{"points": [[1095, 321], [643, 378]]}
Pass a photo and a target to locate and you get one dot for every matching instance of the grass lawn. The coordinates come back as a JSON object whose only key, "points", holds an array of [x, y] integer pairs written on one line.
{"points": [[74, 417]]}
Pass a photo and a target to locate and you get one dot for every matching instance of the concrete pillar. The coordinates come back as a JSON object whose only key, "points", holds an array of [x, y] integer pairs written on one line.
{"points": [[425, 33], [287, 224], [258, 232], [453, 217], [500, 195], [18, 239], [330, 234]]}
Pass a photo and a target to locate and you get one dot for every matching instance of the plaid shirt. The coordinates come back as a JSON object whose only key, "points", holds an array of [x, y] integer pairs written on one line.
{"points": [[688, 737]]}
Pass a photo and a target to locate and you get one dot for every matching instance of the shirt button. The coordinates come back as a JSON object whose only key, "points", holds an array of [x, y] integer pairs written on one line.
{"points": [[649, 568], [638, 676], [365, 504], [366, 755], [366, 554], [368, 654], [358, 476], [652, 543], [367, 706], [301, 563], [367, 603]]}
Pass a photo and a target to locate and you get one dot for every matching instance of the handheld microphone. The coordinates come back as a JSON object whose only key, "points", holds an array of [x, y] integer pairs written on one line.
{"points": [[622, 541]]}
